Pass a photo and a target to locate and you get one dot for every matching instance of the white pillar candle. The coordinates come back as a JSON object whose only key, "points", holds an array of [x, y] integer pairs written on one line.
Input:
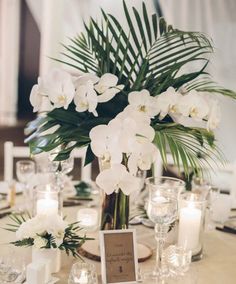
{"points": [[88, 218], [47, 206], [189, 227]]}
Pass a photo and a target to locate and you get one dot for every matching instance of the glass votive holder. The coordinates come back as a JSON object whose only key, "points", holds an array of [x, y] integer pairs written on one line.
{"points": [[221, 207], [178, 259], [202, 187], [82, 273], [88, 219], [192, 208], [47, 200]]}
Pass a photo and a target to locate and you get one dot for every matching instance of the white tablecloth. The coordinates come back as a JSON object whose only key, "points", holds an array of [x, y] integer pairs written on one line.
{"points": [[218, 265]]}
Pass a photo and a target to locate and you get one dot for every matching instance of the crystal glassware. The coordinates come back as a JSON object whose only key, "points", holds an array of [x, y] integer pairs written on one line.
{"points": [[178, 260], [162, 210], [25, 169], [82, 273], [12, 270]]}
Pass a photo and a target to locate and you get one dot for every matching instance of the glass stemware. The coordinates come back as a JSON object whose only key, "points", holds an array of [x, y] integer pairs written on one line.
{"points": [[162, 210], [25, 169]]}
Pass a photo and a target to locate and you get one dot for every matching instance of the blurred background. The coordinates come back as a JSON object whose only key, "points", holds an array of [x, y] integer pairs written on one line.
{"points": [[31, 31]]}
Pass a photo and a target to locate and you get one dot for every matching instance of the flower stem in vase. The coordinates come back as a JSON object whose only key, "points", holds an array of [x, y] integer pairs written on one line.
{"points": [[115, 211], [123, 211]]}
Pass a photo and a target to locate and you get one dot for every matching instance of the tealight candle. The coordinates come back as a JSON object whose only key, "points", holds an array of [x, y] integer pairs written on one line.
{"points": [[47, 201], [88, 218], [83, 278]]}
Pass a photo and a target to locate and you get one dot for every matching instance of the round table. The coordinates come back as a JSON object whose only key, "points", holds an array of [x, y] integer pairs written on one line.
{"points": [[217, 266]]}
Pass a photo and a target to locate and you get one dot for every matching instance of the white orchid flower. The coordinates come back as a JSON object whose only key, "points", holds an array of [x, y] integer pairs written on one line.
{"points": [[129, 126], [83, 79], [214, 116], [143, 102], [115, 178], [86, 98], [141, 122], [39, 99], [125, 131], [59, 88], [143, 156], [139, 117], [36, 98], [194, 105], [168, 102], [107, 87], [105, 143]]}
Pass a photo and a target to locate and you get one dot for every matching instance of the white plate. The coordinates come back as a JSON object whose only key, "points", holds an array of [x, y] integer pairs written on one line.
{"points": [[4, 186]]}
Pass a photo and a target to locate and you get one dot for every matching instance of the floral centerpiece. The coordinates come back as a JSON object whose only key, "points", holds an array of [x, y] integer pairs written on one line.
{"points": [[46, 231], [133, 98]]}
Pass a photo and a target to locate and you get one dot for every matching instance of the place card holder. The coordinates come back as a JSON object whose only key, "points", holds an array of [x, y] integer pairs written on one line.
{"points": [[119, 261]]}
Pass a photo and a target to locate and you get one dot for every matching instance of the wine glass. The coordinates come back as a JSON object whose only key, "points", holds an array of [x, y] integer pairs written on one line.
{"points": [[25, 169], [162, 210]]}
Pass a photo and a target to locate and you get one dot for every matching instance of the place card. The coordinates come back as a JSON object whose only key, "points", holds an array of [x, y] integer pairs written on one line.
{"points": [[118, 256]]}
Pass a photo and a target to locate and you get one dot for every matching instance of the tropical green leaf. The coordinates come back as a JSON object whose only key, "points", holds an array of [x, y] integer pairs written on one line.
{"points": [[191, 148]]}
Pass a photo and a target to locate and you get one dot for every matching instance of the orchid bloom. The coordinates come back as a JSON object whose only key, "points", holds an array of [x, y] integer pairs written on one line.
{"points": [[59, 88], [214, 116], [167, 102], [87, 87], [143, 156], [107, 87], [194, 105], [141, 122], [105, 144], [86, 98], [115, 178], [143, 102], [38, 99]]}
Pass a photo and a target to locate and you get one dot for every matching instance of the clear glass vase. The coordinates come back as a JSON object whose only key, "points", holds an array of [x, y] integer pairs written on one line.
{"points": [[115, 207], [115, 211]]}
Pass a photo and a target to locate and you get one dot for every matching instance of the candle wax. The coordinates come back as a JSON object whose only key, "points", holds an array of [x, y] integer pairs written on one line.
{"points": [[189, 227]]}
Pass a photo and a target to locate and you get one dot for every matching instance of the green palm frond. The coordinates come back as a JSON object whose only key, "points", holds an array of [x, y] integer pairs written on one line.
{"points": [[209, 86], [191, 148], [148, 55]]}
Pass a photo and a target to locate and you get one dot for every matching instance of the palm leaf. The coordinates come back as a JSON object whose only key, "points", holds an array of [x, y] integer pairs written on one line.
{"points": [[191, 148]]}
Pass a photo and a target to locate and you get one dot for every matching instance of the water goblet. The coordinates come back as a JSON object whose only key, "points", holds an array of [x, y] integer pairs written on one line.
{"points": [[25, 169], [162, 210]]}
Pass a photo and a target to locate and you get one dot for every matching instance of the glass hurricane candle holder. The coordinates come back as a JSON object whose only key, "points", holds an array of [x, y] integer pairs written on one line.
{"points": [[82, 273], [47, 200], [192, 208], [88, 218]]}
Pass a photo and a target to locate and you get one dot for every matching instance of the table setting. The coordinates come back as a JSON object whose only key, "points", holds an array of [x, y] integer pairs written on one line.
{"points": [[132, 105]]}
